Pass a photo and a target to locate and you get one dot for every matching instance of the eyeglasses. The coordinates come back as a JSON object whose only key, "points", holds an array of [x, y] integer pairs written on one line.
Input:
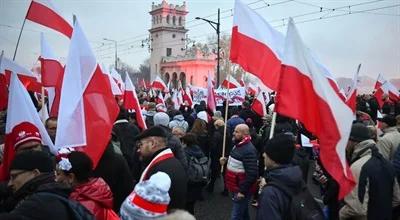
{"points": [[13, 176]]}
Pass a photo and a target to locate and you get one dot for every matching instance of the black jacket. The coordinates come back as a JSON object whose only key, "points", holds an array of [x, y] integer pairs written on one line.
{"points": [[273, 202], [193, 189], [176, 172], [176, 146], [39, 205]]}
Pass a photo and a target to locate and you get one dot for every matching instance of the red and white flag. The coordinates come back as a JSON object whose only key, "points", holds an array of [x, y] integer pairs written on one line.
{"points": [[255, 45], [252, 89], [159, 84], [51, 69], [210, 94], [131, 101], [26, 76], [175, 99], [352, 96], [241, 81], [118, 79], [379, 82], [43, 12], [188, 97], [305, 94], [160, 99], [115, 89], [230, 83], [258, 105], [87, 106], [23, 111]]}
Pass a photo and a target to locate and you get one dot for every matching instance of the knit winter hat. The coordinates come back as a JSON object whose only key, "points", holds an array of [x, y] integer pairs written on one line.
{"points": [[161, 118], [203, 116], [149, 199], [25, 132], [359, 132], [280, 148], [30, 160], [389, 120]]}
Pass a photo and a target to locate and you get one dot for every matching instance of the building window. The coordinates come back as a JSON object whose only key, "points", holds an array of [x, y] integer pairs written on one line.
{"points": [[180, 21], [167, 19], [173, 35], [169, 52], [154, 20], [173, 20]]}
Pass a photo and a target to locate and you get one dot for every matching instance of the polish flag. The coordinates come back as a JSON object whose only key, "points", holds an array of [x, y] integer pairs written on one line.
{"points": [[159, 84], [305, 94], [26, 76], [259, 106], [175, 99], [87, 106], [379, 82], [3, 92], [118, 79], [51, 69], [187, 97], [144, 84], [131, 101], [43, 12], [241, 82], [256, 46], [115, 89], [351, 97], [230, 83], [252, 89], [211, 96], [160, 99], [23, 111]]}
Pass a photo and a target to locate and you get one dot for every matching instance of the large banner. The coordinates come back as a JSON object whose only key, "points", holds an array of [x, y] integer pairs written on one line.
{"points": [[236, 96]]}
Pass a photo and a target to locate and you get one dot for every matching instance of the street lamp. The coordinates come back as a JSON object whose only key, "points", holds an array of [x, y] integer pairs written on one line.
{"points": [[215, 25], [116, 49]]}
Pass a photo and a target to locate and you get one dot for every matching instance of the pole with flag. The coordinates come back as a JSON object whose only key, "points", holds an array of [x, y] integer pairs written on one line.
{"points": [[226, 120]]}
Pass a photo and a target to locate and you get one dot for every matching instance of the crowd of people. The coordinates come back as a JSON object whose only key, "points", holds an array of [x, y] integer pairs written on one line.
{"points": [[163, 171]]}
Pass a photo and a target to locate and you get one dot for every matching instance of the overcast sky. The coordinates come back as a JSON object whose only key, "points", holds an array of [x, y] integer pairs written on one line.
{"points": [[342, 38]]}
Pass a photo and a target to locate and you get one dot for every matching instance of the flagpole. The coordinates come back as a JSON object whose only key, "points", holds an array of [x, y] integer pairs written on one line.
{"points": [[226, 120], [42, 101], [271, 132], [19, 37]]}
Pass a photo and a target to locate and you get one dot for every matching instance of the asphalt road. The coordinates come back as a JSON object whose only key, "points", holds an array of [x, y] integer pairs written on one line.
{"points": [[218, 207]]}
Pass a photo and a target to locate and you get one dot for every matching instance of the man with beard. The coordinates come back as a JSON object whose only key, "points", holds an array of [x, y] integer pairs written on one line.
{"points": [[159, 158]]}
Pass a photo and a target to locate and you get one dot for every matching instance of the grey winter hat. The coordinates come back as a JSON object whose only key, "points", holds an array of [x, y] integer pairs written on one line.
{"points": [[359, 132], [161, 118], [149, 199]]}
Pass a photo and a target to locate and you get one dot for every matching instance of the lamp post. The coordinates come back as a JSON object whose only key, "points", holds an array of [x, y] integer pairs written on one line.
{"points": [[116, 49], [216, 26]]}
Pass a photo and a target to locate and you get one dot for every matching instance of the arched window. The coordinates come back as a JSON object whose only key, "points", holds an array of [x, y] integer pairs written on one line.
{"points": [[167, 19], [174, 20], [166, 77], [180, 21], [182, 78], [175, 80]]}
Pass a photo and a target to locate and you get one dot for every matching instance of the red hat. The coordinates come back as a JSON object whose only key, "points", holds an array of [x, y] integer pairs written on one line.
{"points": [[25, 132]]}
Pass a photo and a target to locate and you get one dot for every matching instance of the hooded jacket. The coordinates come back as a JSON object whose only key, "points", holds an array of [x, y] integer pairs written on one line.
{"points": [[97, 197], [372, 196], [179, 121], [389, 142], [273, 203]]}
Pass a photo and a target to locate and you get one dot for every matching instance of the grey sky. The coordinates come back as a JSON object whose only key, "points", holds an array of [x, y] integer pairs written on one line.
{"points": [[342, 42]]}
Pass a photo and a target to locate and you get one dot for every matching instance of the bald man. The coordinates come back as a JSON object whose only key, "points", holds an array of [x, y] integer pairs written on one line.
{"points": [[241, 172]]}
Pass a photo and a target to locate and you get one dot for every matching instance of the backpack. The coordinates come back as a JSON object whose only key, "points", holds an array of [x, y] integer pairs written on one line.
{"points": [[302, 204], [199, 169], [78, 211]]}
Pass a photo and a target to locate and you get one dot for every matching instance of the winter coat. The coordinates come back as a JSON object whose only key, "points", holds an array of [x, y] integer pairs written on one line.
{"points": [[193, 189], [389, 142], [149, 118], [179, 121], [371, 198], [41, 205], [242, 169], [97, 197], [273, 202], [173, 167], [396, 164], [114, 170]]}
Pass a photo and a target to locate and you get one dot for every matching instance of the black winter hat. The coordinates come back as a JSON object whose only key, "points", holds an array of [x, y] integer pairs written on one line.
{"points": [[359, 132], [280, 148], [389, 120], [155, 131], [30, 160]]}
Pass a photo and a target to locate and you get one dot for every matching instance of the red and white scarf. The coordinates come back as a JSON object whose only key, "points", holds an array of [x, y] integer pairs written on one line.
{"points": [[163, 155]]}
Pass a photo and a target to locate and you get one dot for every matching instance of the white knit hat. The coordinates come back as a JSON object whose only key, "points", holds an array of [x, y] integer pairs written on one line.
{"points": [[161, 118], [203, 116], [149, 199]]}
